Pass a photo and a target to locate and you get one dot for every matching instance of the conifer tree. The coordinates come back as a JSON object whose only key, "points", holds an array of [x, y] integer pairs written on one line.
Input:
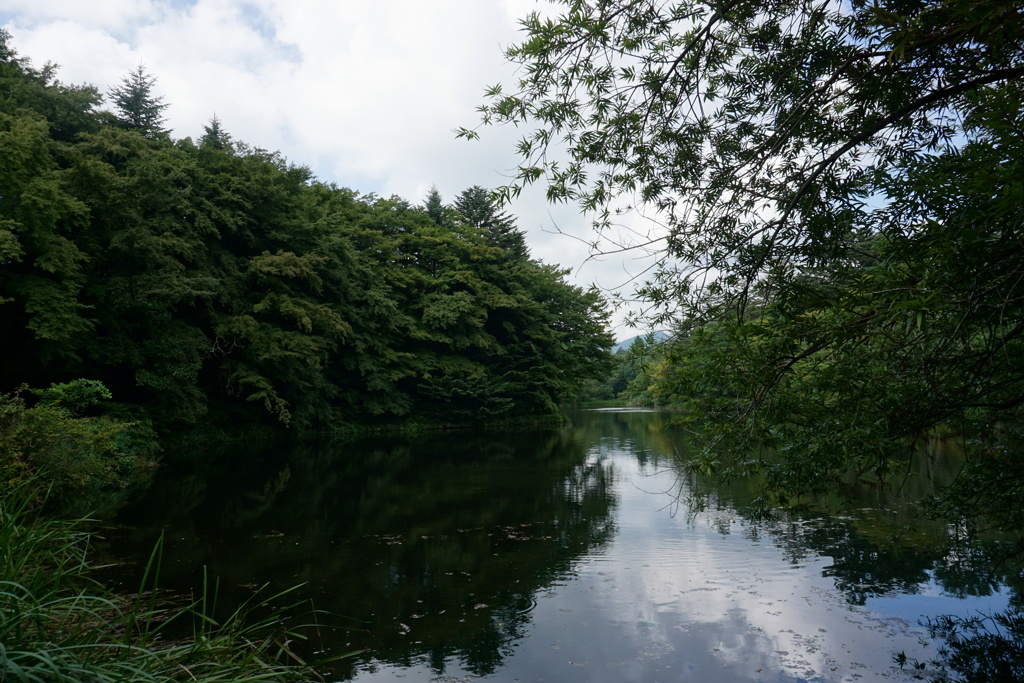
{"points": [[215, 136], [476, 207], [137, 106], [435, 207]]}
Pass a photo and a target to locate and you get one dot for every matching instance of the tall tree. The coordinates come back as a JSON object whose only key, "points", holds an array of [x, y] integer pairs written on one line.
{"points": [[839, 183], [214, 135], [138, 108], [477, 207], [435, 208]]}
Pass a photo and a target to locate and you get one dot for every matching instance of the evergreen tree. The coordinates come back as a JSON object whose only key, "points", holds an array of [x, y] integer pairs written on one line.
{"points": [[215, 136], [478, 209], [435, 208], [137, 107]]}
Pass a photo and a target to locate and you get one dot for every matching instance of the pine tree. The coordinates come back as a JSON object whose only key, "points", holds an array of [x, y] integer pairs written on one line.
{"points": [[137, 107], [215, 136], [476, 207], [435, 208]]}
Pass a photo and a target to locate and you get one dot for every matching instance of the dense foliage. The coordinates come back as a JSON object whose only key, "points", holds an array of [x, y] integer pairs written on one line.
{"points": [[53, 444], [840, 185], [629, 381], [205, 281]]}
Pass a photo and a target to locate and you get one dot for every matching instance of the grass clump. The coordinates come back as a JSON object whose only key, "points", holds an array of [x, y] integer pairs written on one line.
{"points": [[58, 624]]}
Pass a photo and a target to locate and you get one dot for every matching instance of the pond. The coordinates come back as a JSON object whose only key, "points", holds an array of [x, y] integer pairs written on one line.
{"points": [[560, 554]]}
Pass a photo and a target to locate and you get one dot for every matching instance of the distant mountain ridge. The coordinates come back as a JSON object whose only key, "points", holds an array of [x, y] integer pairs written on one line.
{"points": [[625, 344]]}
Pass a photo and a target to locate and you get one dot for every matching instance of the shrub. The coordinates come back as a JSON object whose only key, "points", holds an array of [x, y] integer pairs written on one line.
{"points": [[53, 443]]}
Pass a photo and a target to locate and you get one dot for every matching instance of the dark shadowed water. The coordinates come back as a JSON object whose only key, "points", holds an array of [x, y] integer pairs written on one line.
{"points": [[563, 554]]}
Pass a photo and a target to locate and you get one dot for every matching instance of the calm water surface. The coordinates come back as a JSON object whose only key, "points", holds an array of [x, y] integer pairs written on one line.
{"points": [[563, 554]]}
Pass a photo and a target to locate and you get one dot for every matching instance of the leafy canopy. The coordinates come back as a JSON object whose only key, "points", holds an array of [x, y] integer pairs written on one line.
{"points": [[840, 186]]}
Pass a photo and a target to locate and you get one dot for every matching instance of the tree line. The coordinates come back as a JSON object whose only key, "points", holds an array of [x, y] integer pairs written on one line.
{"points": [[205, 281]]}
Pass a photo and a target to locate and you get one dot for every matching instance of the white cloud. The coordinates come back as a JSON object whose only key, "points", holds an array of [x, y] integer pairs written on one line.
{"points": [[113, 16]]}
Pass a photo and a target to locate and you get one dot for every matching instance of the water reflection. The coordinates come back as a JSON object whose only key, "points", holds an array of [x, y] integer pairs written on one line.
{"points": [[563, 554], [879, 540], [432, 548]]}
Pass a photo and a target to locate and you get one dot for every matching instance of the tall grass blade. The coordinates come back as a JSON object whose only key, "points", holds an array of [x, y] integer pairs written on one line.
{"points": [[58, 625]]}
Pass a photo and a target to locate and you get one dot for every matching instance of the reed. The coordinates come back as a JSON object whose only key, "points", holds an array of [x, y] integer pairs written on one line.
{"points": [[59, 624]]}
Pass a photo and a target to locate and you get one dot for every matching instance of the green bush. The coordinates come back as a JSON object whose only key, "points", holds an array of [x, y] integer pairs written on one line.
{"points": [[54, 443]]}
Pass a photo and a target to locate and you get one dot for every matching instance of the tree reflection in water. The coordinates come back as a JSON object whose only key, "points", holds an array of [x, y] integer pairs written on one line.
{"points": [[436, 548], [431, 547], [881, 541], [978, 649], [882, 544]]}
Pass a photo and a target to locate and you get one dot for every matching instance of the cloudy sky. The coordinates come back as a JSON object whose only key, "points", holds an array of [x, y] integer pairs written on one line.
{"points": [[366, 93]]}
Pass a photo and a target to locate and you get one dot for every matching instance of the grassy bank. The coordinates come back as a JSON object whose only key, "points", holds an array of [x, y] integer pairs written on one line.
{"points": [[59, 624]]}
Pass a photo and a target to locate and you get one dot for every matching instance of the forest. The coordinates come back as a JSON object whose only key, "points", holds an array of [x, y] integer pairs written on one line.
{"points": [[208, 283]]}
